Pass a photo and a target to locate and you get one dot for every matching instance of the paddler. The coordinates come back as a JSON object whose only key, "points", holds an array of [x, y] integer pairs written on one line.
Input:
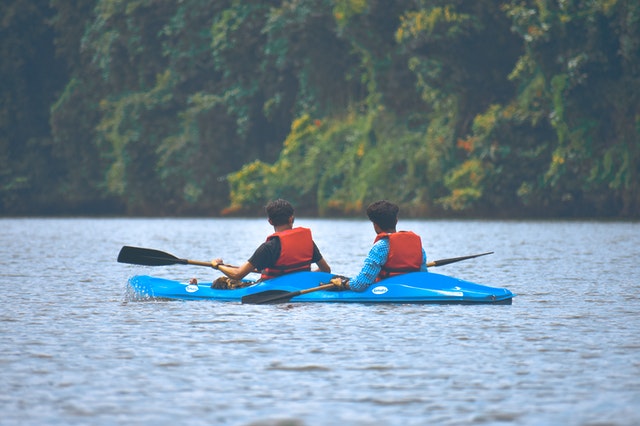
{"points": [[287, 250], [393, 252]]}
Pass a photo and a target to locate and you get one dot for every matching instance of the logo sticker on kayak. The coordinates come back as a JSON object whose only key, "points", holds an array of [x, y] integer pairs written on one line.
{"points": [[380, 290], [191, 288]]}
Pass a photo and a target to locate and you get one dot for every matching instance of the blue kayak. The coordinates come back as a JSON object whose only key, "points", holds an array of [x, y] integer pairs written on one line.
{"points": [[414, 287]]}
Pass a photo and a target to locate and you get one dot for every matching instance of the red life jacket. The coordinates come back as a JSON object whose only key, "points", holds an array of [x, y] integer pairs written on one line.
{"points": [[405, 253], [296, 252]]}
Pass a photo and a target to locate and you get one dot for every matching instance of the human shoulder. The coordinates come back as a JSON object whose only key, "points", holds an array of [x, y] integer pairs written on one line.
{"points": [[266, 254], [381, 244], [380, 250]]}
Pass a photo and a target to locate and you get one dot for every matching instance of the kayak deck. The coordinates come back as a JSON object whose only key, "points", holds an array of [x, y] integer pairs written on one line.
{"points": [[414, 287]]}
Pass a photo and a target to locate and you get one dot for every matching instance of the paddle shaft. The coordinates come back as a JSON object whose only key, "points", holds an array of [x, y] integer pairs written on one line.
{"points": [[201, 263], [442, 262], [280, 296]]}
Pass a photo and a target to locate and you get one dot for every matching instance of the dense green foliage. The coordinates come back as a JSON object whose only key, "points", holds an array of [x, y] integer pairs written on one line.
{"points": [[510, 108]]}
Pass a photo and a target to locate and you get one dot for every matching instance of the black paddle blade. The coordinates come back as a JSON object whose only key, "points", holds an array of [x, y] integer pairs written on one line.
{"points": [[269, 296], [147, 257]]}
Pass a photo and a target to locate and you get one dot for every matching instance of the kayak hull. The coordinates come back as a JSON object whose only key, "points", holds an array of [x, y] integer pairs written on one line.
{"points": [[414, 287]]}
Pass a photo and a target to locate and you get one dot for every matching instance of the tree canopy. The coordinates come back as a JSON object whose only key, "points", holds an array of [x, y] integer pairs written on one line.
{"points": [[448, 107]]}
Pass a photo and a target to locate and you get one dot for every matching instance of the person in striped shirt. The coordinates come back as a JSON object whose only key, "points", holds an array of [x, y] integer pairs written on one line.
{"points": [[393, 252]]}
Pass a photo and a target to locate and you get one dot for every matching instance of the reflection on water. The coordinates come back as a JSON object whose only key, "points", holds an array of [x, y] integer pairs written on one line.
{"points": [[75, 349]]}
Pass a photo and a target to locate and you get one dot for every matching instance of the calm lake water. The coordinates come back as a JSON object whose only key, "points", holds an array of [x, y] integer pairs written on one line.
{"points": [[76, 350]]}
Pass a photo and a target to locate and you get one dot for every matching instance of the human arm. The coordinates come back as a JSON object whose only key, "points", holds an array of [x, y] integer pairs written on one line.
{"points": [[323, 266], [423, 267], [317, 258], [235, 272], [372, 265]]}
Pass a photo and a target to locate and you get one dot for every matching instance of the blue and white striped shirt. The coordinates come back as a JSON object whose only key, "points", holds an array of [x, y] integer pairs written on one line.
{"points": [[373, 264]]}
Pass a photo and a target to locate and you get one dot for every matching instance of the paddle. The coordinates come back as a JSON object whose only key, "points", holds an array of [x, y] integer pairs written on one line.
{"points": [[150, 257], [283, 296], [279, 296], [442, 262]]}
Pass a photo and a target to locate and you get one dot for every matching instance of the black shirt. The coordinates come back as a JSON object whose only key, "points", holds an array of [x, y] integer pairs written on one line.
{"points": [[268, 253]]}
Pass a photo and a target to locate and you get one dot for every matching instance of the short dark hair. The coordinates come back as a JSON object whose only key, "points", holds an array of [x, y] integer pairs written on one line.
{"points": [[279, 211], [383, 213]]}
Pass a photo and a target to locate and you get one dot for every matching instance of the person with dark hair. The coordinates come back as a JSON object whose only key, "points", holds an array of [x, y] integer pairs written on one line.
{"points": [[287, 250], [393, 252]]}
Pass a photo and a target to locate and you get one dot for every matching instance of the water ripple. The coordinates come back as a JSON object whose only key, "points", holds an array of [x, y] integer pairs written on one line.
{"points": [[78, 349]]}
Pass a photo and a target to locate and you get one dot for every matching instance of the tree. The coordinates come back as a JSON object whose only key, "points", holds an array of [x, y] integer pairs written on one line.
{"points": [[30, 77]]}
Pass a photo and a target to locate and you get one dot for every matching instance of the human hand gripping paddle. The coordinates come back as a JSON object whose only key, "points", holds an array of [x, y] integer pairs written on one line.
{"points": [[283, 296]]}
